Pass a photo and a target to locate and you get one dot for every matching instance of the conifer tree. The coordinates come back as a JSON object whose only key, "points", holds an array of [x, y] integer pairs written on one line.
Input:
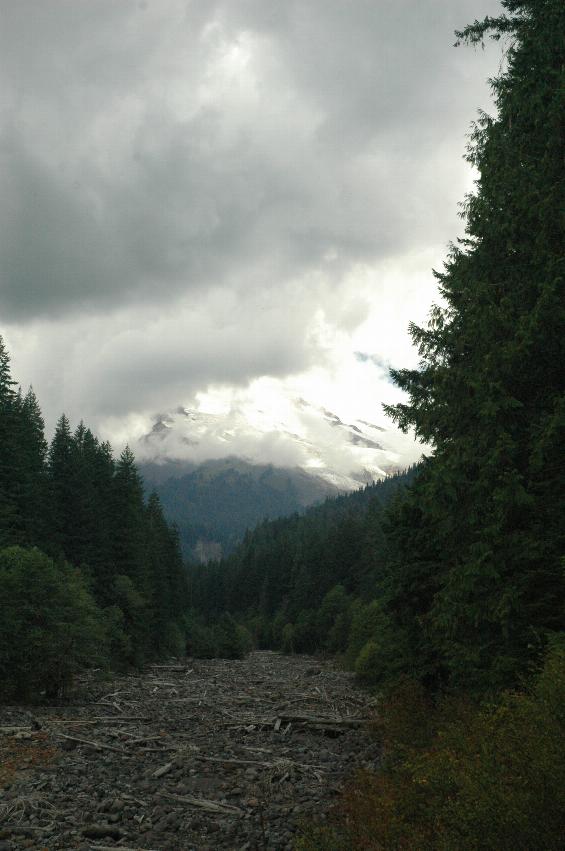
{"points": [[128, 537], [159, 567], [8, 450], [61, 487], [478, 573], [101, 466], [35, 506]]}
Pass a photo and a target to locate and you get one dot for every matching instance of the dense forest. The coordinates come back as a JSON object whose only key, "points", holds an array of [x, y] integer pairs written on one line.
{"points": [[298, 583], [215, 502], [90, 572]]}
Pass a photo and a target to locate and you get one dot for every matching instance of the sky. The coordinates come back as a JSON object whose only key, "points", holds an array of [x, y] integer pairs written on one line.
{"points": [[227, 204]]}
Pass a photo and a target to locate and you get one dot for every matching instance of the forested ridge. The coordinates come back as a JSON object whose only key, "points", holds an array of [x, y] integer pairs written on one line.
{"points": [[214, 503], [298, 583], [91, 573]]}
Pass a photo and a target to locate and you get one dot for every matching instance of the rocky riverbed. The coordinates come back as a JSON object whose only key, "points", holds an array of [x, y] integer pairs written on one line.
{"points": [[188, 755]]}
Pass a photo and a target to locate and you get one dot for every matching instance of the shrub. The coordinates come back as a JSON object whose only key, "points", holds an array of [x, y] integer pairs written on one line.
{"points": [[321, 839], [333, 609], [118, 641], [374, 650], [50, 626], [245, 639], [229, 639], [201, 640], [259, 628], [278, 624], [305, 632], [173, 641], [288, 639], [407, 718], [366, 624], [133, 606], [338, 636], [367, 665], [462, 777]]}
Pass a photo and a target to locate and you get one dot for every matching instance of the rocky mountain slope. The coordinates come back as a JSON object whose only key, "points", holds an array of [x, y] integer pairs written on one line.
{"points": [[219, 474]]}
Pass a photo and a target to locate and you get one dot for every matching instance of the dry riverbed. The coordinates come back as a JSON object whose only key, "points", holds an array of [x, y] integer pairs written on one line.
{"points": [[189, 755]]}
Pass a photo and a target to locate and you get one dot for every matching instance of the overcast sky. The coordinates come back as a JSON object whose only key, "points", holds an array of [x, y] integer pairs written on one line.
{"points": [[202, 198]]}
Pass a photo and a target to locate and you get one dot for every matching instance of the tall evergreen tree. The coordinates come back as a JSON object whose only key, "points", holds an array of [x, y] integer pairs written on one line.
{"points": [[23, 503], [85, 532], [159, 567], [482, 534], [60, 468], [128, 537], [35, 506], [101, 466], [8, 450]]}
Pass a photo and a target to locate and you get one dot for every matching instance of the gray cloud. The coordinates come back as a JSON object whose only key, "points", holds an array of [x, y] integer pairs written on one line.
{"points": [[195, 193], [153, 149]]}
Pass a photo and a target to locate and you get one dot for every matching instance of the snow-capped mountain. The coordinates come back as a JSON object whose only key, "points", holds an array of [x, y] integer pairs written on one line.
{"points": [[220, 473], [345, 453]]}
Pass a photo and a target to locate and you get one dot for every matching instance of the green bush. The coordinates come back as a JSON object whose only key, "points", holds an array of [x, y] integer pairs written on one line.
{"points": [[50, 626], [374, 650], [260, 630], [173, 641], [245, 639], [201, 641], [338, 636], [461, 777], [367, 664], [320, 838], [332, 623], [366, 622], [288, 639], [306, 638], [500, 780], [119, 644], [229, 640], [277, 626], [133, 606]]}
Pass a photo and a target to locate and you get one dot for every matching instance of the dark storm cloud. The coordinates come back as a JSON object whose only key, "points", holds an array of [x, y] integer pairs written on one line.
{"points": [[153, 149]]}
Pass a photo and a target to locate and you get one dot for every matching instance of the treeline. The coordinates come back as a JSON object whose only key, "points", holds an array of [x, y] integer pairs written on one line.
{"points": [[90, 572], [307, 583], [214, 503]]}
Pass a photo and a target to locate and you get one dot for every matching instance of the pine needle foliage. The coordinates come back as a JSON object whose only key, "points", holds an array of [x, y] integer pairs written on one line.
{"points": [[479, 539]]}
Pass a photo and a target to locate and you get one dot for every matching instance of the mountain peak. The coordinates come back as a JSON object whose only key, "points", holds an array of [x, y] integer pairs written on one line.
{"points": [[346, 453]]}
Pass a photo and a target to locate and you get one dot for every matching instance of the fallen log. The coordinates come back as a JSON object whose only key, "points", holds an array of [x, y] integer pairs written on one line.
{"points": [[160, 772], [99, 719], [172, 668], [321, 720], [10, 731], [97, 831], [121, 847], [20, 830], [259, 763], [203, 804], [96, 745], [142, 739]]}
